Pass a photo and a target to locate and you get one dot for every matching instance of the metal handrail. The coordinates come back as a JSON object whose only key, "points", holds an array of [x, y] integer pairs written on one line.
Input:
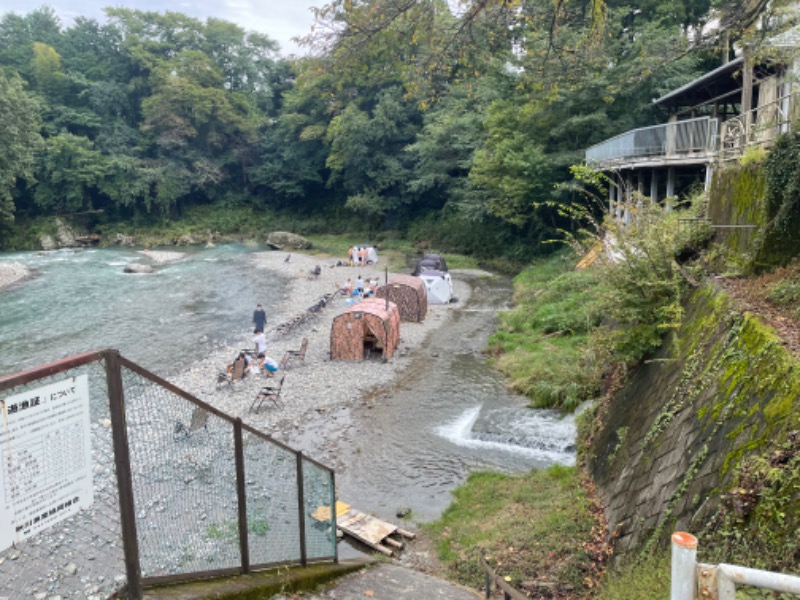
{"points": [[691, 579], [668, 140], [492, 578], [757, 127]]}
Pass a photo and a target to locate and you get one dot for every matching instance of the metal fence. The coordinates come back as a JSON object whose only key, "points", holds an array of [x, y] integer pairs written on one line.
{"points": [[691, 580], [668, 140], [174, 490]]}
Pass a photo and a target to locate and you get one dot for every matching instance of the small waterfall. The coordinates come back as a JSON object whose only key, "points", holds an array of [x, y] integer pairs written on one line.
{"points": [[538, 434]]}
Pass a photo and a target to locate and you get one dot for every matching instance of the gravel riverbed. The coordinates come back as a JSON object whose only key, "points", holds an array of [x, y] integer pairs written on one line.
{"points": [[317, 384]]}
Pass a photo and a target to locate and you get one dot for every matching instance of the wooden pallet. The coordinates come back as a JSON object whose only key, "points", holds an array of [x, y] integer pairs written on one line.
{"points": [[366, 528]]}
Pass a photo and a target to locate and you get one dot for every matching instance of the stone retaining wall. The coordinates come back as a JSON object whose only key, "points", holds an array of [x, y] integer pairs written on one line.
{"points": [[722, 388]]}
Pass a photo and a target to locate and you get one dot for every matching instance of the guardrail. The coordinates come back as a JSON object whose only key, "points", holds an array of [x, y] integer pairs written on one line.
{"points": [[669, 141], [691, 580]]}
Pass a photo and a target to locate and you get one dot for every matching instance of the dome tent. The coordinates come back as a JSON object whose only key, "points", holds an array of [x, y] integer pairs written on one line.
{"points": [[438, 286], [408, 293], [430, 262]]}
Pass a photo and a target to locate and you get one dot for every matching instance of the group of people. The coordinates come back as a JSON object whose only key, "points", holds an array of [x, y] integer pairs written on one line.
{"points": [[360, 288], [358, 256], [261, 362]]}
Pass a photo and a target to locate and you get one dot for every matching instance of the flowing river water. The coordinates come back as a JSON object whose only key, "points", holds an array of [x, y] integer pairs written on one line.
{"points": [[403, 448]]}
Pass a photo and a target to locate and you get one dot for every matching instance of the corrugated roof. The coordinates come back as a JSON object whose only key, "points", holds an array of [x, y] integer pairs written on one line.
{"points": [[706, 87]]}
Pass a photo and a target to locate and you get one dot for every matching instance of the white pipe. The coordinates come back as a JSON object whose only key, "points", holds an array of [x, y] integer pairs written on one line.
{"points": [[778, 582]]}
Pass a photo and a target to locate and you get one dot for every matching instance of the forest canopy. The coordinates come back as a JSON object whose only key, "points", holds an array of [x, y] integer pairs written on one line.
{"points": [[457, 119]]}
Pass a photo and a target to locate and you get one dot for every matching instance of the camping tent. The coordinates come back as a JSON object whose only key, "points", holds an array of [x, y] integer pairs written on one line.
{"points": [[409, 294], [367, 327], [367, 253], [438, 285], [430, 262]]}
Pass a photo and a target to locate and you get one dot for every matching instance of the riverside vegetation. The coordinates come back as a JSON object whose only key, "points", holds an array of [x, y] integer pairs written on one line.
{"points": [[573, 336]]}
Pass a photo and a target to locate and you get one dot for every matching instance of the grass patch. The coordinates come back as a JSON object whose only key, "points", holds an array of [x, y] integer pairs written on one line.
{"points": [[647, 578], [542, 345], [536, 531]]}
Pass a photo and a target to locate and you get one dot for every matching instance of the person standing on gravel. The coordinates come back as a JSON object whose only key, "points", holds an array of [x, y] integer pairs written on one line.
{"points": [[260, 342], [259, 319]]}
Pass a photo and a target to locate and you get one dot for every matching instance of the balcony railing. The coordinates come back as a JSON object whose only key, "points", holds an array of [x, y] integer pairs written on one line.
{"points": [[680, 139], [758, 127]]}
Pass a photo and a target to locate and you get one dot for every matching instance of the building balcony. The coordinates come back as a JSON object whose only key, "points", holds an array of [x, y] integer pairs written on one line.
{"points": [[689, 142]]}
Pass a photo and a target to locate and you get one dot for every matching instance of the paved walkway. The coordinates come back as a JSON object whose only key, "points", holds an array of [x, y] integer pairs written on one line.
{"points": [[388, 582]]}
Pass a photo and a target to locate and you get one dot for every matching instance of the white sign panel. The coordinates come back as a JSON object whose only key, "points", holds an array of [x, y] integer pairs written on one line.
{"points": [[45, 458]]}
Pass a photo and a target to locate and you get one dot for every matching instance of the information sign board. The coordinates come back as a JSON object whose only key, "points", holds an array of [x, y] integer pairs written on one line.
{"points": [[45, 458]]}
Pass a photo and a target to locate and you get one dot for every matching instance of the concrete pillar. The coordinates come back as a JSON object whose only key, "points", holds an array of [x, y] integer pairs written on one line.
{"points": [[670, 187], [628, 198], [654, 186], [611, 194], [709, 177]]}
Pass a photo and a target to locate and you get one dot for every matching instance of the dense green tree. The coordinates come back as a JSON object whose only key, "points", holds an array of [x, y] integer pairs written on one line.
{"points": [[68, 173], [443, 152], [19, 33], [19, 139], [367, 153]]}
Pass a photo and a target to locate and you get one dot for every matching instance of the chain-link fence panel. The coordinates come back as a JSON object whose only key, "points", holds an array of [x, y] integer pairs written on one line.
{"points": [[61, 528], [59, 488], [272, 502], [318, 490], [183, 468]]}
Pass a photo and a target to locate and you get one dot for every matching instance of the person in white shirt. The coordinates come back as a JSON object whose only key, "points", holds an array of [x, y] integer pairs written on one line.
{"points": [[261, 343]]}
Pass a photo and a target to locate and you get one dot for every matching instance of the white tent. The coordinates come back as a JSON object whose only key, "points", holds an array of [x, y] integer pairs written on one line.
{"points": [[438, 285]]}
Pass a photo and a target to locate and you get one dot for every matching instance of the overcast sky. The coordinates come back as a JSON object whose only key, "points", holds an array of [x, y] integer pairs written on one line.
{"points": [[281, 20]]}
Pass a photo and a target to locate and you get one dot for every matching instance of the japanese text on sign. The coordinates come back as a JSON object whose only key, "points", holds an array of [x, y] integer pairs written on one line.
{"points": [[45, 458]]}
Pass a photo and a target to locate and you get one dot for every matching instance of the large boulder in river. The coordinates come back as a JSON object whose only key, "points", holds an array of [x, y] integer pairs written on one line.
{"points": [[125, 240], [65, 234], [138, 268], [283, 240]]}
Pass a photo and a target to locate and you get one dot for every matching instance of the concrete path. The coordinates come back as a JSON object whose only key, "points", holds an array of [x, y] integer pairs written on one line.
{"points": [[387, 581]]}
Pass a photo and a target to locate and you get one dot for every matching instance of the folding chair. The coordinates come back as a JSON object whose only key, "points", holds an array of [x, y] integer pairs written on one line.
{"points": [[268, 392], [293, 354], [199, 420]]}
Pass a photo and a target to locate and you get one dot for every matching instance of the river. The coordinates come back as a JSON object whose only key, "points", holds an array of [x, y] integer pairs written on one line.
{"points": [[404, 448], [81, 300]]}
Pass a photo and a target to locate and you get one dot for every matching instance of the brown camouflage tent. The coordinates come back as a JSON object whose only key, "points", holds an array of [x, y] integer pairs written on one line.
{"points": [[409, 294], [370, 327]]}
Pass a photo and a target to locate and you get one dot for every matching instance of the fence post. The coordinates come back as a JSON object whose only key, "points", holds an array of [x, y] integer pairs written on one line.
{"points": [[683, 576], [241, 496], [122, 461], [333, 518], [301, 509]]}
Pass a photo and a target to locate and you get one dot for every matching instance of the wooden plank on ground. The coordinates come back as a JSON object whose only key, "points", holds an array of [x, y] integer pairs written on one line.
{"points": [[364, 527]]}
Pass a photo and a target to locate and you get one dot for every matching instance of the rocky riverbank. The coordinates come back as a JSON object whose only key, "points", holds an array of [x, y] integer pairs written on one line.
{"points": [[11, 273], [318, 384]]}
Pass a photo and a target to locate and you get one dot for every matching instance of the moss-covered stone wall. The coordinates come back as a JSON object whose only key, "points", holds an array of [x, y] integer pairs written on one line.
{"points": [[757, 206], [721, 389], [737, 198]]}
